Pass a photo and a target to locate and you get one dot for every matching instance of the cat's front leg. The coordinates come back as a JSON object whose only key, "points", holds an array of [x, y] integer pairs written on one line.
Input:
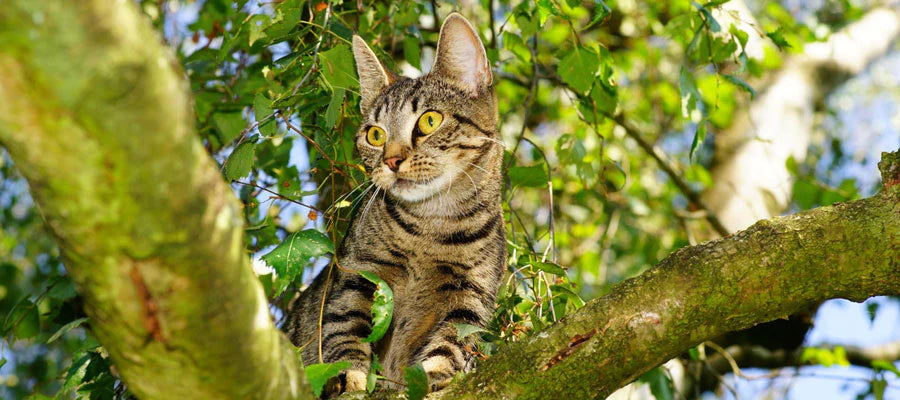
{"points": [[346, 321], [443, 355]]}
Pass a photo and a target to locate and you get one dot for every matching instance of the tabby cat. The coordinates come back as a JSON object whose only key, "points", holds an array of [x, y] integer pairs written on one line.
{"points": [[432, 228]]}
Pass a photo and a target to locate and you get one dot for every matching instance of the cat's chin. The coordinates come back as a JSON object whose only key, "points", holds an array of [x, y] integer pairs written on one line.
{"points": [[416, 191]]}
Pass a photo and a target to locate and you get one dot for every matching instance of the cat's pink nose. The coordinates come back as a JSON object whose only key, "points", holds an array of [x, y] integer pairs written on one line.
{"points": [[394, 163]]}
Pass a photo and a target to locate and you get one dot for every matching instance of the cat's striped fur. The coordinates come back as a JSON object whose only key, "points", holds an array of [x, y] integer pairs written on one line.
{"points": [[433, 229]]}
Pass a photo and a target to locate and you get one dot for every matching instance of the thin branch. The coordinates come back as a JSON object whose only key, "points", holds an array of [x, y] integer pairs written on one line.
{"points": [[667, 167], [278, 195]]}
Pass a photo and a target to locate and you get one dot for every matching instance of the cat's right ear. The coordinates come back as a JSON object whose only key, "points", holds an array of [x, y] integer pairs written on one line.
{"points": [[373, 76]]}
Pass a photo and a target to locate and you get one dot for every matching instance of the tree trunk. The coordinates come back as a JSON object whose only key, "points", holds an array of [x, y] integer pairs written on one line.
{"points": [[97, 116]]}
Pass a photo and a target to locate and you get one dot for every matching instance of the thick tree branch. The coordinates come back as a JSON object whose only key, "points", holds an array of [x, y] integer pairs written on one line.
{"points": [[98, 119], [774, 268]]}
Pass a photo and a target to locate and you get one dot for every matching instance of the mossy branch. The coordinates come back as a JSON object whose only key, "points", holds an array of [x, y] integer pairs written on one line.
{"points": [[97, 116], [774, 268]]}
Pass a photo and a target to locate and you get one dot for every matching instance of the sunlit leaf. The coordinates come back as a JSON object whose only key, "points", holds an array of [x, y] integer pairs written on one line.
{"points": [[318, 374], [382, 307], [416, 382], [289, 258]]}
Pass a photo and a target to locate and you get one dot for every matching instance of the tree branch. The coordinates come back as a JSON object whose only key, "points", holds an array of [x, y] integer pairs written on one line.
{"points": [[774, 268], [98, 119]]}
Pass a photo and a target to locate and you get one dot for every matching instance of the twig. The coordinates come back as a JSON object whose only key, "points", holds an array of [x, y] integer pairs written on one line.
{"points": [[280, 196]]}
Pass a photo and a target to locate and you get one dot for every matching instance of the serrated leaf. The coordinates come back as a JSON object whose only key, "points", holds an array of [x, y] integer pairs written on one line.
{"points": [[76, 371], [531, 176], [240, 161], [465, 330], [262, 109], [660, 385], [289, 257], [319, 374], [65, 328], [578, 67], [336, 66], [382, 307], [741, 84], [416, 382], [567, 292]]}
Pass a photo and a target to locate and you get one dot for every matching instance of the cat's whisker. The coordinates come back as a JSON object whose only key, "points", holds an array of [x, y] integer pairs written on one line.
{"points": [[369, 204], [477, 166], [469, 176], [361, 195], [345, 195], [493, 140]]}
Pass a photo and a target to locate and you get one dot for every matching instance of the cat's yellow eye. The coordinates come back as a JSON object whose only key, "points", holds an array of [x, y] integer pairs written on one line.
{"points": [[376, 136], [430, 121]]}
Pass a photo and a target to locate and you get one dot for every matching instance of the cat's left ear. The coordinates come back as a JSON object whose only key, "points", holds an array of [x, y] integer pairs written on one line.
{"points": [[373, 76], [461, 56]]}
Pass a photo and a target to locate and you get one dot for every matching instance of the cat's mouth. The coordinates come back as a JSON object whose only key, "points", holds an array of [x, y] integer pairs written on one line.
{"points": [[403, 183]]}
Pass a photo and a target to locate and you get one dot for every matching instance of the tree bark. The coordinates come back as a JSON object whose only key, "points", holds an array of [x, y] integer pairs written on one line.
{"points": [[774, 268], [97, 116]]}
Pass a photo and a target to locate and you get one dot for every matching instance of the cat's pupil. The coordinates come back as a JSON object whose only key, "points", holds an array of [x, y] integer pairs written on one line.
{"points": [[430, 121]]}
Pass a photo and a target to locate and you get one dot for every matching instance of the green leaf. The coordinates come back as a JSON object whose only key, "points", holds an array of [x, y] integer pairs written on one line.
{"points": [[660, 384], [372, 377], [319, 374], [567, 292], [416, 382], [532, 176], [256, 26], [578, 67], [337, 67], [382, 307], [65, 328], [63, 290], [334, 107], [240, 161], [23, 320], [550, 267], [230, 124], [689, 93], [886, 366], [517, 46], [707, 15], [465, 330], [699, 137], [872, 309], [412, 51], [262, 109], [601, 10], [546, 8], [739, 34], [778, 38], [741, 84], [878, 386], [293, 253]]}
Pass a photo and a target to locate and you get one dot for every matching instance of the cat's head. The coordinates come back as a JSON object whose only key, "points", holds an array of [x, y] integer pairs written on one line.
{"points": [[420, 138]]}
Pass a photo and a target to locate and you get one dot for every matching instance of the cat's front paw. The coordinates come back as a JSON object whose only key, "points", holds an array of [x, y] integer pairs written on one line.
{"points": [[352, 380], [355, 380]]}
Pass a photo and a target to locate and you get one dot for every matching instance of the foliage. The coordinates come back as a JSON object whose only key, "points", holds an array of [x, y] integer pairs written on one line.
{"points": [[276, 105]]}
